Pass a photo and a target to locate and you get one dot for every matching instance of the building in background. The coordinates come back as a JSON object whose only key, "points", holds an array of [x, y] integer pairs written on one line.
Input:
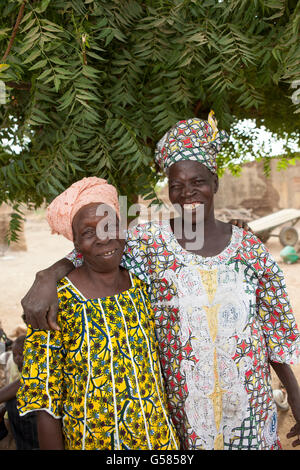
{"points": [[260, 194]]}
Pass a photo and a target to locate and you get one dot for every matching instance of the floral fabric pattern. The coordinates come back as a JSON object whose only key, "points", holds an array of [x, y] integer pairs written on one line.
{"points": [[219, 321], [192, 139], [100, 374]]}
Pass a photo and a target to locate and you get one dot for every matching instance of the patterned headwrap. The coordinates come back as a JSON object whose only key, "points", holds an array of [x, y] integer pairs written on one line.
{"points": [[64, 207], [192, 139]]}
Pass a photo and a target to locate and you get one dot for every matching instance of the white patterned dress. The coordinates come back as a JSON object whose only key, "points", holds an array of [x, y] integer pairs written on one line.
{"points": [[219, 322]]}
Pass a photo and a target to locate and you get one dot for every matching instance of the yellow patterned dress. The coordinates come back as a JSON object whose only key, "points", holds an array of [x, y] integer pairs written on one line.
{"points": [[100, 373]]}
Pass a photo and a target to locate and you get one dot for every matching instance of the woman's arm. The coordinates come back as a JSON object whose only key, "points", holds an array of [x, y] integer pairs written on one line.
{"points": [[40, 304], [49, 432], [9, 391], [289, 381], [279, 327]]}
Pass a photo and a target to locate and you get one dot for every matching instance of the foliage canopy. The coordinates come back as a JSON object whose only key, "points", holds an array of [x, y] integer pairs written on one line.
{"points": [[91, 86]]}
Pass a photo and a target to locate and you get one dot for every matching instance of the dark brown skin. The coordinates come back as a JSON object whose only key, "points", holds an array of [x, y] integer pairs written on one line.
{"points": [[40, 304], [17, 350], [9, 391], [188, 182], [100, 276], [49, 432], [289, 381]]}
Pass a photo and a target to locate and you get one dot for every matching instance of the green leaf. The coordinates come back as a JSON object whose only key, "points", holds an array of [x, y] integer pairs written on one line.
{"points": [[58, 61], [26, 17], [44, 74], [56, 83], [32, 33], [29, 25], [43, 6], [25, 48], [148, 66], [39, 64], [34, 54]]}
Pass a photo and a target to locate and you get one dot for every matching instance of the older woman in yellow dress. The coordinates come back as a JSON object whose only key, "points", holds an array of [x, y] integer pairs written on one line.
{"points": [[95, 383]]}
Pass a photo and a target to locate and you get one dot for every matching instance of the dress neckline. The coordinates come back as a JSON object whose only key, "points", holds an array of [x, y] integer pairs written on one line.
{"points": [[132, 287], [224, 255]]}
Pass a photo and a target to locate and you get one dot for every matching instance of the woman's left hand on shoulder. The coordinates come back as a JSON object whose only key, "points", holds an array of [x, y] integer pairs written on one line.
{"points": [[241, 224]]}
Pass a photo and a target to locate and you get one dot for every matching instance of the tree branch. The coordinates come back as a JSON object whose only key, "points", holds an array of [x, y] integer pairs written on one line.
{"points": [[197, 107], [14, 33], [19, 86]]}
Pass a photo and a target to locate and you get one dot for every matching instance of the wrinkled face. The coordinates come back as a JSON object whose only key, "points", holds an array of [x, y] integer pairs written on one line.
{"points": [[102, 247], [190, 185]]}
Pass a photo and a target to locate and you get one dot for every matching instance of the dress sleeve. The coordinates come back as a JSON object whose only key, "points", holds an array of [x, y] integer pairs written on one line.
{"points": [[75, 258], [276, 314], [135, 257], [41, 381]]}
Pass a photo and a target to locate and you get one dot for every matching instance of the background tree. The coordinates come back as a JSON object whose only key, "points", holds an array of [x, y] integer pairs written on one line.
{"points": [[91, 86]]}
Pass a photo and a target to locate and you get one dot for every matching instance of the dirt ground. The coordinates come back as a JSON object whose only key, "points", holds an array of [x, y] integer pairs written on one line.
{"points": [[17, 271]]}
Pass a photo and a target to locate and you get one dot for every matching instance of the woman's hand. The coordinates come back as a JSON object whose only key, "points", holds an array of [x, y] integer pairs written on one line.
{"points": [[40, 304], [295, 431], [290, 383], [241, 224]]}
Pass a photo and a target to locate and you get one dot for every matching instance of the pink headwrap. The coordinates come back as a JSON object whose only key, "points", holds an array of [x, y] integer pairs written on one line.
{"points": [[63, 208]]}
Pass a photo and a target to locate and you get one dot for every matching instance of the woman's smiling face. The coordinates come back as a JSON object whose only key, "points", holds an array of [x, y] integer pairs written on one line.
{"points": [[191, 184], [102, 250]]}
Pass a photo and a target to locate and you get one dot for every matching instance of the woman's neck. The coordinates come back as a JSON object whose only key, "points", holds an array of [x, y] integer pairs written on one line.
{"points": [[207, 238], [93, 284]]}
